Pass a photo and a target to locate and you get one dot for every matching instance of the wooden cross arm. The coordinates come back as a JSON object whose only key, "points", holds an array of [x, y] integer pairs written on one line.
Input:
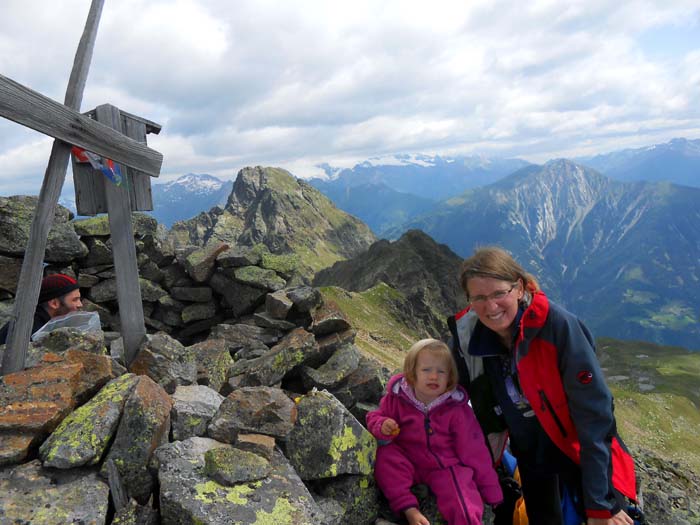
{"points": [[29, 108]]}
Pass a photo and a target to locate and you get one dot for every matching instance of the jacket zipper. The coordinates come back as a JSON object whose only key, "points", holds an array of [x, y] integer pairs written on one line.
{"points": [[428, 433], [546, 405]]}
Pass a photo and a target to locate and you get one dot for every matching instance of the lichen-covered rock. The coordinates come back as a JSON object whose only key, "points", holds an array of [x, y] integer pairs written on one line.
{"points": [[166, 361], [238, 256], [213, 362], [243, 335], [135, 514], [62, 339], [189, 497], [328, 441], [228, 466], [259, 444], [36, 496], [357, 496], [82, 438], [104, 291], [193, 408], [241, 298], [99, 252], [264, 320], [263, 410], [283, 264], [198, 312], [334, 371], [294, 349], [259, 278], [144, 426], [15, 446], [365, 385], [200, 263]]}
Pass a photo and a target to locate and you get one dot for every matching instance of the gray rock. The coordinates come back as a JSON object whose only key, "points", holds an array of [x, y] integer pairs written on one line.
{"points": [[328, 318], [293, 350], [195, 294], [82, 437], [85, 280], [149, 269], [305, 298], [175, 275], [238, 256], [104, 291], [278, 305], [332, 373], [357, 496], [228, 466], [242, 335], [62, 339], [30, 494], [328, 441], [135, 514], [262, 410], [166, 361], [150, 291], [259, 278], [198, 312], [10, 268], [144, 426], [188, 497], [99, 252], [259, 444], [242, 299], [264, 320], [213, 362], [193, 408], [365, 385], [200, 263]]}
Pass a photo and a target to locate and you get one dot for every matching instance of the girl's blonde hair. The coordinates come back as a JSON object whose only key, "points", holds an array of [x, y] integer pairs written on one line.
{"points": [[436, 348]]}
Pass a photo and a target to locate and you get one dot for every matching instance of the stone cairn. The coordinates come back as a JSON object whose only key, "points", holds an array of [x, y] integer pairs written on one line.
{"points": [[241, 406]]}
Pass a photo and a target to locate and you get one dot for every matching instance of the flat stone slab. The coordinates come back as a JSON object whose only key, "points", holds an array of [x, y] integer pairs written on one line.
{"points": [[36, 496]]}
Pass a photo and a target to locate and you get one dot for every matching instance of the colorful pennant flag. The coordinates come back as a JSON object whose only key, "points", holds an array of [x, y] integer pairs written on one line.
{"points": [[106, 166]]}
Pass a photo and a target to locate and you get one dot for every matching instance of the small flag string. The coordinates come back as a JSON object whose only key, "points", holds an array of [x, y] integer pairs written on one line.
{"points": [[106, 166]]}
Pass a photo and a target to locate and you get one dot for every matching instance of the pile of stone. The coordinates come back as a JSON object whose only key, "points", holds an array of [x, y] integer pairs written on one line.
{"points": [[241, 405]]}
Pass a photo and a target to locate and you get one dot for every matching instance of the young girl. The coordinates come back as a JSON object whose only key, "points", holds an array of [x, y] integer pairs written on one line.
{"points": [[433, 438]]}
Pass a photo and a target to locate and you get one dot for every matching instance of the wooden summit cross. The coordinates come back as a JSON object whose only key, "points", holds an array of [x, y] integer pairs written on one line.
{"points": [[69, 127]]}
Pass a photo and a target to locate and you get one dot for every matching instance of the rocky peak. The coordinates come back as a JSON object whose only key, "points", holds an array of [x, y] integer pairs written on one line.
{"points": [[424, 271], [269, 206]]}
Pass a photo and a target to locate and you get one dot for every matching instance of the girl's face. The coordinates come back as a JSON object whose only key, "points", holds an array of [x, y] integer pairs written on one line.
{"points": [[432, 376], [495, 302]]}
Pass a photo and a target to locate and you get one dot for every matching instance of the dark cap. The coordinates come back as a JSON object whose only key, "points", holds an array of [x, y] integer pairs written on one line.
{"points": [[56, 285]]}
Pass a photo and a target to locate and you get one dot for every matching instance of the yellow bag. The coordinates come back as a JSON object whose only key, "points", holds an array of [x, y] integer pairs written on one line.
{"points": [[519, 514]]}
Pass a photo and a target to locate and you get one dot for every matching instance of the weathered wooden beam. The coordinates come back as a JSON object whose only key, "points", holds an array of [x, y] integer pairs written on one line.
{"points": [[30, 276], [133, 327], [34, 110]]}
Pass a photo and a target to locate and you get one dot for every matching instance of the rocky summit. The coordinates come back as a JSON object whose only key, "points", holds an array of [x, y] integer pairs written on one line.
{"points": [[269, 206], [423, 271]]}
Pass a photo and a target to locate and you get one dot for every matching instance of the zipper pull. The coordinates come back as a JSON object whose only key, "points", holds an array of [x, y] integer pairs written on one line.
{"points": [[428, 430]]}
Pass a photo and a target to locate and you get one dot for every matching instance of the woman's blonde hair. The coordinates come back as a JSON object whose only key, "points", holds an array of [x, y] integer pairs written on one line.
{"points": [[436, 348], [495, 262]]}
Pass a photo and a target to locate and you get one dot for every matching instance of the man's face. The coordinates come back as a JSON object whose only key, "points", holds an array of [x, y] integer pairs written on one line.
{"points": [[70, 302]]}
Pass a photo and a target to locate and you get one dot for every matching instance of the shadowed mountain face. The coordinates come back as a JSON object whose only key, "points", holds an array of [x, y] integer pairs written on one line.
{"points": [[424, 271], [269, 206], [621, 255]]}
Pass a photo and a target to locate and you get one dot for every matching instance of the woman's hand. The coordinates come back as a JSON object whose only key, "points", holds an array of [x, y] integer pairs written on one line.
{"points": [[621, 518], [390, 427]]}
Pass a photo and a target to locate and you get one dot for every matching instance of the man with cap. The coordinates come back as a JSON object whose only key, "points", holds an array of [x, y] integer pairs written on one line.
{"points": [[59, 295]]}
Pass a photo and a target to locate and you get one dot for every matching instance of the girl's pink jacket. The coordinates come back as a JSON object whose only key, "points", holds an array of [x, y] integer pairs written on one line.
{"points": [[446, 436]]}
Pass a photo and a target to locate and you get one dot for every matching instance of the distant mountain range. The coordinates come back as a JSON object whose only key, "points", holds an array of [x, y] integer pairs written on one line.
{"points": [[188, 196], [677, 161], [384, 192], [624, 256]]}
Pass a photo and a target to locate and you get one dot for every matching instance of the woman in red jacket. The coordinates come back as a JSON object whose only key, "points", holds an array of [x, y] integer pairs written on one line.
{"points": [[531, 372]]}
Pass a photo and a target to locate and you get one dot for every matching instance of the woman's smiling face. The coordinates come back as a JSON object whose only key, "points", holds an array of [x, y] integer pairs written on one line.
{"points": [[495, 302]]}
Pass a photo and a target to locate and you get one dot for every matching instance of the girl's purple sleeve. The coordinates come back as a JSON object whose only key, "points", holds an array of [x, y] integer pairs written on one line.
{"points": [[375, 418], [472, 452]]}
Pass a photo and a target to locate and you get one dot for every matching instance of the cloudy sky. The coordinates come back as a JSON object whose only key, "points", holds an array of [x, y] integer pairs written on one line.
{"points": [[297, 83]]}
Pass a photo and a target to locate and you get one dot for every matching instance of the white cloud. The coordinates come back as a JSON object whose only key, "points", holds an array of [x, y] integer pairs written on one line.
{"points": [[295, 84]]}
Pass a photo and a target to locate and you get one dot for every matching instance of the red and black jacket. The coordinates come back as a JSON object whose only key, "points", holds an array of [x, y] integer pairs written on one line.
{"points": [[561, 378]]}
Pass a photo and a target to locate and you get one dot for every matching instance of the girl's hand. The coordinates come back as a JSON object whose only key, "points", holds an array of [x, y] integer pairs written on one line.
{"points": [[621, 518], [390, 427]]}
